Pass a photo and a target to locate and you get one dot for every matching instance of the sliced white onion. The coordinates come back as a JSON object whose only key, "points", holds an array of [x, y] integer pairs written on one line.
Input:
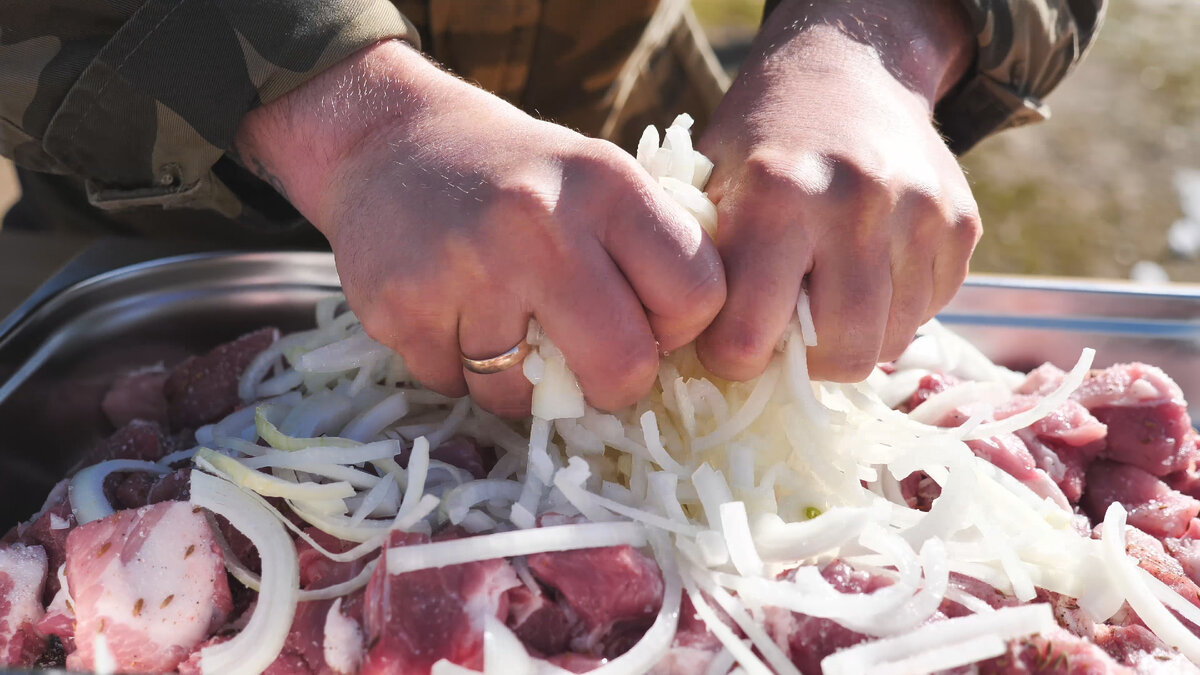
{"points": [[655, 447], [86, 488], [177, 456], [1045, 406], [808, 329], [373, 421], [744, 655], [641, 657], [736, 528], [326, 308], [376, 496], [330, 454], [939, 659], [517, 542], [458, 501], [1122, 572], [346, 354], [588, 503], [557, 395], [406, 521], [279, 440], [1003, 624], [260, 641], [319, 414], [503, 652], [267, 485], [262, 363], [451, 424], [753, 630], [764, 387]]}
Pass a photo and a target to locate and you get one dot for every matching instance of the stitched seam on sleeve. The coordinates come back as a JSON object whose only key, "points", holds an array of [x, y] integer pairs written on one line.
{"points": [[117, 69]]}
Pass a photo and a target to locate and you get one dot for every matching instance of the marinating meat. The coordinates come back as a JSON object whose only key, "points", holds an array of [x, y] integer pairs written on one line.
{"points": [[204, 389], [415, 619], [148, 586], [613, 591], [22, 574], [149, 590]]}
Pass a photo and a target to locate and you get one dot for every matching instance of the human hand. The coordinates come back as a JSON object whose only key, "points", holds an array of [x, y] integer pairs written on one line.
{"points": [[828, 168], [455, 217]]}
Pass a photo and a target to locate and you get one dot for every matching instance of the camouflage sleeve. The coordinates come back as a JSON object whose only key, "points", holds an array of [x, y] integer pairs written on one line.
{"points": [[1025, 48], [141, 99]]}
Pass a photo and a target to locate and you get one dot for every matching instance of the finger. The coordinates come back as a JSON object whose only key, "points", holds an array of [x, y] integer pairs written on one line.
{"points": [[671, 264], [490, 329], [851, 291], [420, 328], [952, 260], [765, 262], [915, 226], [426, 339], [912, 288], [591, 313]]}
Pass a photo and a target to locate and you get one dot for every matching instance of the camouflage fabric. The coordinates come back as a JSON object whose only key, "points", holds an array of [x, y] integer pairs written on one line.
{"points": [[140, 99], [133, 103], [1025, 48]]}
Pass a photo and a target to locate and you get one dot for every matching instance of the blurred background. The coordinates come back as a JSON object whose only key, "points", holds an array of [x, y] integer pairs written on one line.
{"points": [[1108, 187]]}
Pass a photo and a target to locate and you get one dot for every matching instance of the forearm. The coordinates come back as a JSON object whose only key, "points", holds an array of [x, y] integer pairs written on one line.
{"points": [[297, 143], [927, 45]]}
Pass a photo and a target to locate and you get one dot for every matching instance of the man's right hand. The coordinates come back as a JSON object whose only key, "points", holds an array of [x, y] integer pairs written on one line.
{"points": [[454, 218]]}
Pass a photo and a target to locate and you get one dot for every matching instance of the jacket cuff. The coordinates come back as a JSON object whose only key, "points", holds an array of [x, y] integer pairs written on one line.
{"points": [[155, 110], [1025, 49], [980, 106]]}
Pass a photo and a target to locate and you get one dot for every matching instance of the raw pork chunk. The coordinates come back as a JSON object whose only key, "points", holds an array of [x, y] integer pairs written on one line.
{"points": [[137, 395], [149, 586], [416, 619], [1154, 508], [615, 591], [204, 389], [22, 573]]}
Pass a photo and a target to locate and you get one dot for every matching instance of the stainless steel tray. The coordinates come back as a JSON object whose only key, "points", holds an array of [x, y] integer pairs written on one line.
{"points": [[58, 357], [57, 361]]}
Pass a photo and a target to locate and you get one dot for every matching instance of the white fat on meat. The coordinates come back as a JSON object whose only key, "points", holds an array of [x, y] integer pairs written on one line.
{"points": [[151, 581], [343, 644], [22, 576]]}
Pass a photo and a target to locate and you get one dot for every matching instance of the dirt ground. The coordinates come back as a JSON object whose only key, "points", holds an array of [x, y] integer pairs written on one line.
{"points": [[1090, 192]]}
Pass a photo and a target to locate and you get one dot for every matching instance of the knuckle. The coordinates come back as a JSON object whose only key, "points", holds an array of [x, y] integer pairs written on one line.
{"points": [[626, 376], [858, 182], [924, 203], [703, 296], [524, 201], [600, 161], [381, 319], [769, 175], [637, 367], [738, 351], [969, 227], [848, 366], [898, 337]]}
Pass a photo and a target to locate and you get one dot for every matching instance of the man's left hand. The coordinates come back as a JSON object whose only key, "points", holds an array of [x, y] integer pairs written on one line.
{"points": [[830, 171]]}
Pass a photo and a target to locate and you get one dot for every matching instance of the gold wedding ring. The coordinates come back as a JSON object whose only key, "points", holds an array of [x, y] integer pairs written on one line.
{"points": [[498, 363]]}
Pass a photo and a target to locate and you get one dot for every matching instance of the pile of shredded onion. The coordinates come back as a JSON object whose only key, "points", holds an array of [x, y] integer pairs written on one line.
{"points": [[727, 485]]}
